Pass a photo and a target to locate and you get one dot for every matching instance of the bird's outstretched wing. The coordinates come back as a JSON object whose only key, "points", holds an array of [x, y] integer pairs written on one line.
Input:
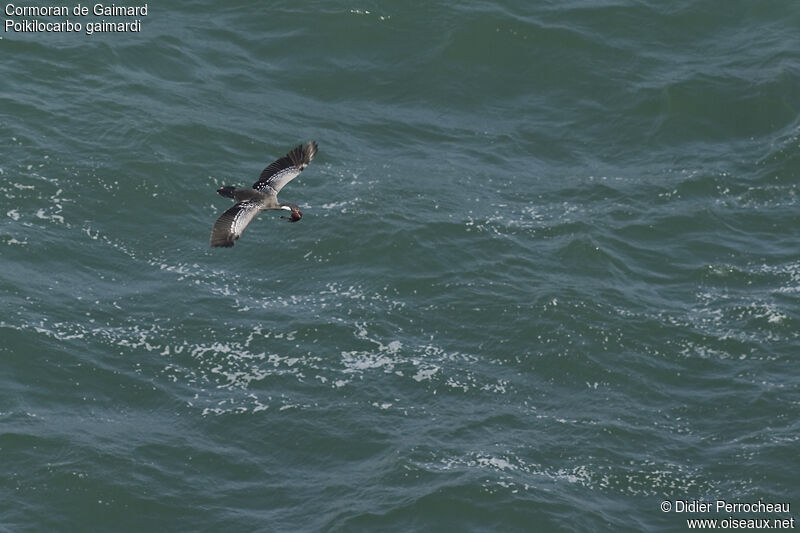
{"points": [[285, 169], [230, 225]]}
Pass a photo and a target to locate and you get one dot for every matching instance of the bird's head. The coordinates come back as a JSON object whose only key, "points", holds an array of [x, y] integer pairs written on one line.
{"points": [[226, 191]]}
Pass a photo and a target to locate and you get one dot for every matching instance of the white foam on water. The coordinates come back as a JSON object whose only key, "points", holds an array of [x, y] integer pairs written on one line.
{"points": [[510, 471]]}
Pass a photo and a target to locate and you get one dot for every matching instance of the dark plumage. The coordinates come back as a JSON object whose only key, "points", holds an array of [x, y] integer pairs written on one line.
{"points": [[263, 195]]}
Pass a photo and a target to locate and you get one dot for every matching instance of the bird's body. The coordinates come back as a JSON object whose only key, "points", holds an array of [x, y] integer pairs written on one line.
{"points": [[263, 196]]}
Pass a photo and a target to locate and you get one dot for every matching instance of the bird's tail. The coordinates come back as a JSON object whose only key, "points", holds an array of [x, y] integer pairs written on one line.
{"points": [[226, 191]]}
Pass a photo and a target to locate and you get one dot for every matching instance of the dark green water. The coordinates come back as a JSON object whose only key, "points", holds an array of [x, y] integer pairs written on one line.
{"points": [[547, 275]]}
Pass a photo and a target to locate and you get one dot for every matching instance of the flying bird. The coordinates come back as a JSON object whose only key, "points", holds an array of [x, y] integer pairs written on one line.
{"points": [[263, 195]]}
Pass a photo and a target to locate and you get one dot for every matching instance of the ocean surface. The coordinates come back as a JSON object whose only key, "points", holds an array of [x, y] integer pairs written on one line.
{"points": [[547, 277]]}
